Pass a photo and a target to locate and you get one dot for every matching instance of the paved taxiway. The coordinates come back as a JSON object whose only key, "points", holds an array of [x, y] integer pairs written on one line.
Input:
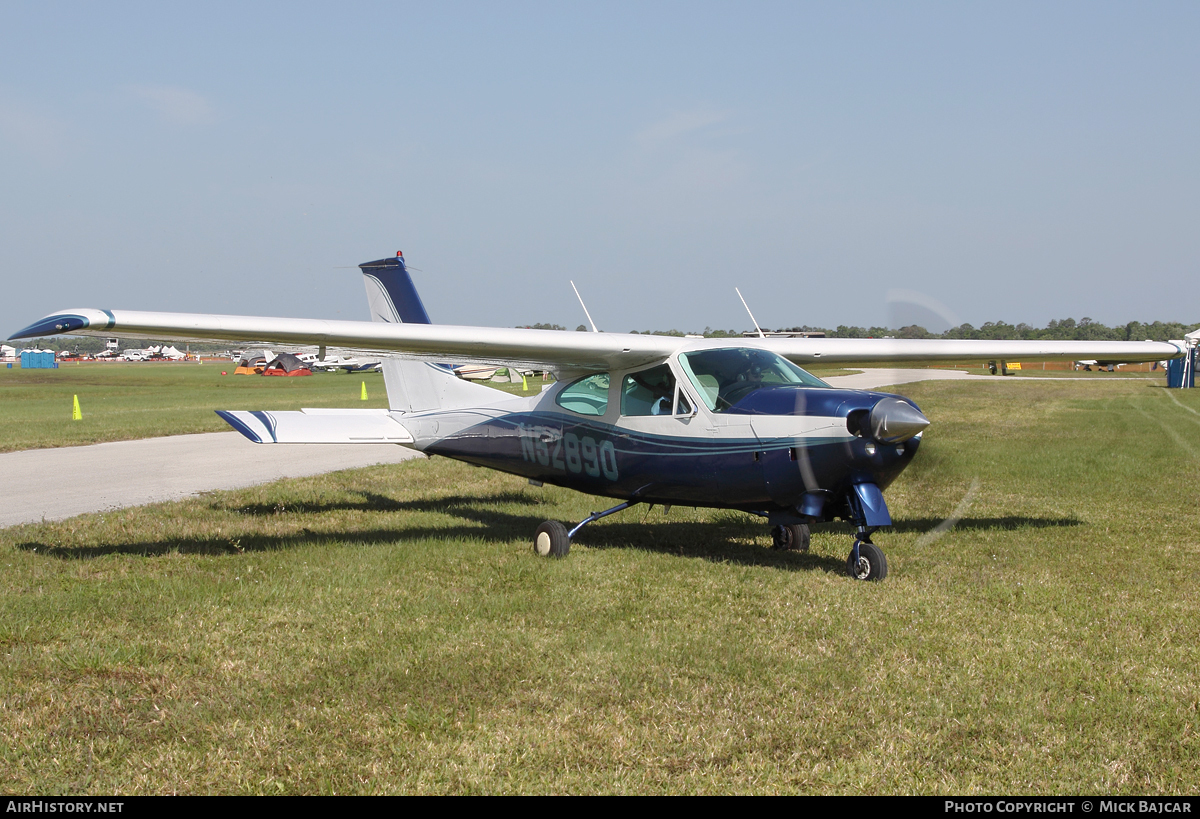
{"points": [[871, 379], [53, 484]]}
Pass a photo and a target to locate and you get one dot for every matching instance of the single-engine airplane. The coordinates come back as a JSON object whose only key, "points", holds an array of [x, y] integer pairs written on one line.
{"points": [[723, 423]]}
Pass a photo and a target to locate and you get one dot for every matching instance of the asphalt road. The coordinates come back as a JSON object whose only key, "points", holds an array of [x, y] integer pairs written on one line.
{"points": [[870, 379], [53, 484]]}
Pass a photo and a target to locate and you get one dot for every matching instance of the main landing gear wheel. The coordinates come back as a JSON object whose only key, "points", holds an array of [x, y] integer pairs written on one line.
{"points": [[551, 540], [871, 565], [794, 538]]}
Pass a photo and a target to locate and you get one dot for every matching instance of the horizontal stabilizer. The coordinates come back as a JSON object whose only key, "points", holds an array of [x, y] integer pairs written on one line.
{"points": [[318, 426]]}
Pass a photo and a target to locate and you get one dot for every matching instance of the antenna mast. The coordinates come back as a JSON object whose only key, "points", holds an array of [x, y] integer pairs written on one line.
{"points": [[761, 334], [584, 306]]}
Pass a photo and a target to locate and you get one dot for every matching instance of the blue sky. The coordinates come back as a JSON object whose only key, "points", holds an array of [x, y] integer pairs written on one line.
{"points": [[841, 163]]}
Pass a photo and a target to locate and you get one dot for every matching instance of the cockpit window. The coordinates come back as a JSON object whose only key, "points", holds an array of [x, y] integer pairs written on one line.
{"points": [[682, 405], [725, 377], [649, 392], [587, 396]]}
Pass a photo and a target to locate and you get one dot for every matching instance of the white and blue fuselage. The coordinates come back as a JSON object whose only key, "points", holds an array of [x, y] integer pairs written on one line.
{"points": [[789, 450]]}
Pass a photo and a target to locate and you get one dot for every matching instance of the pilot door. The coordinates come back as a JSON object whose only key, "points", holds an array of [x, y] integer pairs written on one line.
{"points": [[786, 464], [687, 453]]}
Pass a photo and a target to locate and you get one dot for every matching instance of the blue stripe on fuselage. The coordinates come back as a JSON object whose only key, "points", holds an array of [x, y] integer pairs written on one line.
{"points": [[604, 459]]}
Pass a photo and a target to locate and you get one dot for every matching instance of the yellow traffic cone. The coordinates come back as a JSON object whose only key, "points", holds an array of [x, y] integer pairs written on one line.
{"points": [[76, 415], [364, 391], [524, 383]]}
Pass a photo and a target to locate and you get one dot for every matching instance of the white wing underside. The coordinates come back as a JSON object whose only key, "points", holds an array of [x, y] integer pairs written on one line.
{"points": [[566, 350]]}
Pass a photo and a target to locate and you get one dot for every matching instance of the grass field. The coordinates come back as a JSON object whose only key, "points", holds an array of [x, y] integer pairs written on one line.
{"points": [[121, 402], [125, 401], [389, 630]]}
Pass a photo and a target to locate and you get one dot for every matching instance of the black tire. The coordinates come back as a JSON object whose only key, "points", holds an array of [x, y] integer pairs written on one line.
{"points": [[551, 540], [872, 565], [794, 538]]}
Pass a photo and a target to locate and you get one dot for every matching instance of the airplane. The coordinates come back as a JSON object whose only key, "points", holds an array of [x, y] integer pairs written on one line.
{"points": [[316, 362], [641, 419], [346, 364], [475, 372]]}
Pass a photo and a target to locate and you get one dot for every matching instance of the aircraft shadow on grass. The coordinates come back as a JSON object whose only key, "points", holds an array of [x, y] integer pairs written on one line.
{"points": [[1008, 522], [723, 541]]}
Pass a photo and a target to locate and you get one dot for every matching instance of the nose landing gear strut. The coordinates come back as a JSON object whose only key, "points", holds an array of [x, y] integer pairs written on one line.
{"points": [[866, 560]]}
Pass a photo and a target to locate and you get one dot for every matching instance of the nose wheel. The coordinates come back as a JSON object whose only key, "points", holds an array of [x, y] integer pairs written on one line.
{"points": [[866, 561]]}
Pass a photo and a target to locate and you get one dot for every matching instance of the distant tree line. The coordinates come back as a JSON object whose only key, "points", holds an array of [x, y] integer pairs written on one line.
{"points": [[708, 332], [1059, 330]]}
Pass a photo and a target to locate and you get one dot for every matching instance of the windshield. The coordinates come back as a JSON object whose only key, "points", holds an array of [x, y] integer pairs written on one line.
{"points": [[724, 377]]}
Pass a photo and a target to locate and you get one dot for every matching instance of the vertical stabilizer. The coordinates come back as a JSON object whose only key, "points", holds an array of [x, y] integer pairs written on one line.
{"points": [[414, 386], [391, 294]]}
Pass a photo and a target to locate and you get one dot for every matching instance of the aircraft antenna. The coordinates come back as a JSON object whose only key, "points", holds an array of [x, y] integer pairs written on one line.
{"points": [[761, 334], [595, 329]]}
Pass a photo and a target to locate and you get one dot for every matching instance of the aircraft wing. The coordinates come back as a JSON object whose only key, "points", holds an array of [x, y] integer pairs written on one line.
{"points": [[561, 350], [538, 349], [808, 351]]}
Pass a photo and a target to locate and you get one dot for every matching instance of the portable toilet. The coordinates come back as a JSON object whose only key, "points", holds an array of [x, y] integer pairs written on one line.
{"points": [[1181, 372], [37, 360]]}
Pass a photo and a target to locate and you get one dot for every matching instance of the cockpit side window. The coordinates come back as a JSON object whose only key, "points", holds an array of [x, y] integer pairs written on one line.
{"points": [[725, 377], [587, 396], [648, 392], [682, 405]]}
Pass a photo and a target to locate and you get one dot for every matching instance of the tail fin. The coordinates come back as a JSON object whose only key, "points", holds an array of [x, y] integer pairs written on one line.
{"points": [[414, 386], [391, 294]]}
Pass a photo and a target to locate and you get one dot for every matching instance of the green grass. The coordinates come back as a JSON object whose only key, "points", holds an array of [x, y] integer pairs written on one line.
{"points": [[1033, 369], [126, 401], [389, 630]]}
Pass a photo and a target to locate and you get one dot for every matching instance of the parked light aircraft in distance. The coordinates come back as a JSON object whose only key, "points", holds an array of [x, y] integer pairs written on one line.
{"points": [[725, 423], [346, 364]]}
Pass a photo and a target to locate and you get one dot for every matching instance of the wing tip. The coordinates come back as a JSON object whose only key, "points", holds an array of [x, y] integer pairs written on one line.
{"points": [[53, 325], [239, 425]]}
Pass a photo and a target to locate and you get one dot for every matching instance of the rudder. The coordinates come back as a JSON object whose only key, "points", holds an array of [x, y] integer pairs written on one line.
{"points": [[413, 386], [391, 295]]}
